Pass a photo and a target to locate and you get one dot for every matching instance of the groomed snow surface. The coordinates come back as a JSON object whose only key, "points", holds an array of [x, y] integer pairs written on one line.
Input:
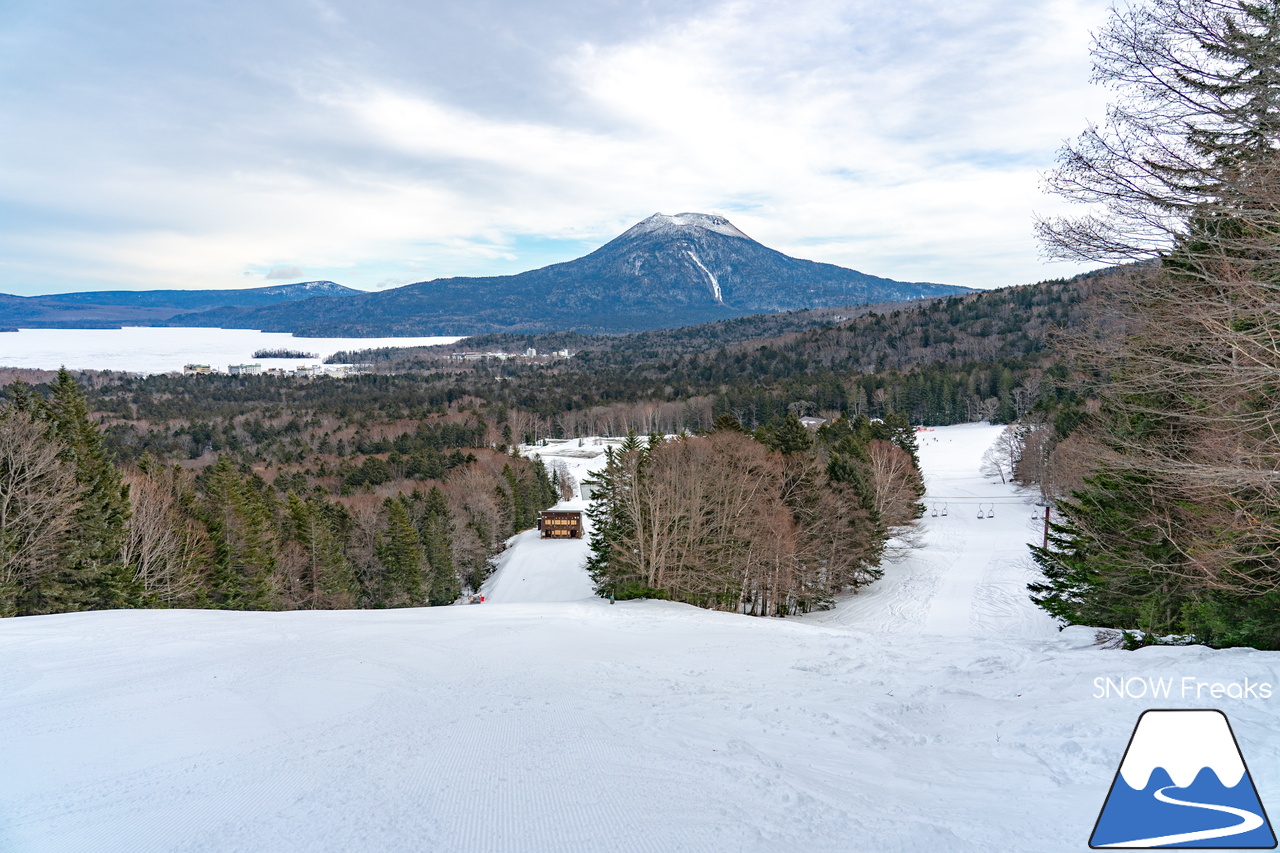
{"points": [[936, 711]]}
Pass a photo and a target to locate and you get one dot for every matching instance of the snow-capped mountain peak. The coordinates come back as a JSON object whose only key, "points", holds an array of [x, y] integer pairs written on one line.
{"points": [[665, 271], [707, 221]]}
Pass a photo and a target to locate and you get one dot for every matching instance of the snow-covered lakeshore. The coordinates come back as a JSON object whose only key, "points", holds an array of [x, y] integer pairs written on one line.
{"points": [[936, 711], [145, 349]]}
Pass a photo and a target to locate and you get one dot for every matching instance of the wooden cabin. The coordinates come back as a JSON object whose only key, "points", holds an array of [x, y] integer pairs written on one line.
{"points": [[560, 524]]}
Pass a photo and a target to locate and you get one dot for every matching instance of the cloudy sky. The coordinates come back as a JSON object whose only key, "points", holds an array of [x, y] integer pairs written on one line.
{"points": [[193, 143]]}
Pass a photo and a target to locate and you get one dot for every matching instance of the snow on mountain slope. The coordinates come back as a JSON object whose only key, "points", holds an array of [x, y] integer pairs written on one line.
{"points": [[585, 726], [664, 222], [715, 283]]}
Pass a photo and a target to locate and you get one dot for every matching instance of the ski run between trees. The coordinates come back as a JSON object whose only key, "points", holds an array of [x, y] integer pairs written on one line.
{"points": [[963, 576], [938, 709]]}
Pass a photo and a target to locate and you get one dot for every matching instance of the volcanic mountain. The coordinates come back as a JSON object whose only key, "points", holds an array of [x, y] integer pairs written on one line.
{"points": [[663, 272]]}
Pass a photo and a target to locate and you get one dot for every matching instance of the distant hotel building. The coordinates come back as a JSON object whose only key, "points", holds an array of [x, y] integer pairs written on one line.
{"points": [[530, 354]]}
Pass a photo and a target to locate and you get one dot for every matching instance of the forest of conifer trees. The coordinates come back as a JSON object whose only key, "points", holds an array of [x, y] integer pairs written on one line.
{"points": [[178, 523]]}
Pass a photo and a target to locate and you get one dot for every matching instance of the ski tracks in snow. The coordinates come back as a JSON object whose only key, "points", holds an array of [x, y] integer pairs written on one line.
{"points": [[968, 574]]}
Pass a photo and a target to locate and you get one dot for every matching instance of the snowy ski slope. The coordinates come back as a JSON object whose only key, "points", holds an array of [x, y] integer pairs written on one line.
{"points": [[937, 711], [969, 574]]}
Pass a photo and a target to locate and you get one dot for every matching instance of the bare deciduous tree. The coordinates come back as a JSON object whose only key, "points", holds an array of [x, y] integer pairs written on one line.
{"points": [[721, 521], [162, 546], [1033, 468], [1002, 457], [38, 500], [897, 483], [568, 483], [1184, 177]]}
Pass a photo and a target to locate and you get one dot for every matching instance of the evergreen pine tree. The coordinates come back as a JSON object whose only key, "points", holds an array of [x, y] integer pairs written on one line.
{"points": [[400, 552], [848, 464], [543, 493], [790, 437], [319, 528], [92, 576], [437, 545], [611, 521], [239, 518], [1120, 586], [896, 427], [727, 421]]}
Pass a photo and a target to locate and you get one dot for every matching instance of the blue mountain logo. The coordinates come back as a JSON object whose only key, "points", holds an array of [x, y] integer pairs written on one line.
{"points": [[1183, 783]]}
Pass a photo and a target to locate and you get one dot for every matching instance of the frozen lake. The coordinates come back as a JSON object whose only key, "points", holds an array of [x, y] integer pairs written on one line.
{"points": [[162, 350]]}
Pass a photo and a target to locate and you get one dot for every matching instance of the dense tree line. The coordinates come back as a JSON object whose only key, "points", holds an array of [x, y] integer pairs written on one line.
{"points": [[768, 524], [982, 356], [79, 532], [953, 360], [655, 343]]}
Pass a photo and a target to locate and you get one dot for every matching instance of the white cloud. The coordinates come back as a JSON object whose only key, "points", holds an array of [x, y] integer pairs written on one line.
{"points": [[902, 140]]}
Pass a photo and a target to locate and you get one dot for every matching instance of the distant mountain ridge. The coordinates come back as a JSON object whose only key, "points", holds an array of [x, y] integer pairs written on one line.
{"points": [[110, 308], [663, 272]]}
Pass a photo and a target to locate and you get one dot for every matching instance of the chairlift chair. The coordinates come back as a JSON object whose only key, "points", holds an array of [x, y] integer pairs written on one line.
{"points": [[944, 509]]}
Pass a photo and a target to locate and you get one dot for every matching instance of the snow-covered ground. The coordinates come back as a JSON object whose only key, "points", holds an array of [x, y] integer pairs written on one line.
{"points": [[969, 574], [533, 569], [936, 711]]}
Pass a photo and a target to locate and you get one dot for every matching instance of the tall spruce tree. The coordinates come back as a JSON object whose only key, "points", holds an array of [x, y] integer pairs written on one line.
{"points": [[319, 528], [611, 518], [847, 463], [92, 575], [239, 515], [436, 536], [400, 552], [789, 437]]}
